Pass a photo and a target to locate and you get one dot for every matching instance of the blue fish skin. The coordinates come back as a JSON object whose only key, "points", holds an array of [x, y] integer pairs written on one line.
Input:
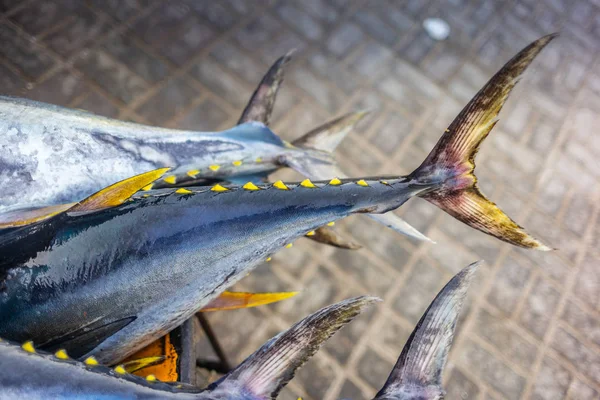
{"points": [[172, 255], [52, 155]]}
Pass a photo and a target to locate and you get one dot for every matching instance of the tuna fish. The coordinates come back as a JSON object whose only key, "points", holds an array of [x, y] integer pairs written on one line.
{"points": [[112, 273], [26, 373], [52, 155]]}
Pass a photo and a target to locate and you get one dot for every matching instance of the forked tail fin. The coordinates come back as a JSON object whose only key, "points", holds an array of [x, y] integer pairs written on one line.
{"points": [[418, 371], [452, 161], [271, 367]]}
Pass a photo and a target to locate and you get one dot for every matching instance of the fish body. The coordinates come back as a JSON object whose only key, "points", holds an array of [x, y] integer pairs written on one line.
{"points": [[29, 374], [106, 282], [52, 155]]}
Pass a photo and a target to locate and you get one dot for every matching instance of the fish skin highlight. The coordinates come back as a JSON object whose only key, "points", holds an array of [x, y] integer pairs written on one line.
{"points": [[31, 374], [417, 374], [78, 287]]}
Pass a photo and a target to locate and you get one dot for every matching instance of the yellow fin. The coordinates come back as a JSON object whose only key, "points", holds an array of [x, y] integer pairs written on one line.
{"points": [[250, 186], [214, 167], [148, 187], [335, 182], [28, 347], [332, 223], [120, 370], [22, 218], [91, 361], [268, 259], [151, 378], [362, 182], [61, 354], [307, 184], [289, 245], [192, 173], [218, 188], [183, 191], [237, 163], [140, 363], [159, 358], [311, 233], [280, 185], [237, 300], [171, 179], [116, 194]]}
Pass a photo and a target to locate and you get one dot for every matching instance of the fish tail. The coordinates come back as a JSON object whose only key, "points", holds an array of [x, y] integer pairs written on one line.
{"points": [[270, 368], [419, 368], [449, 168]]}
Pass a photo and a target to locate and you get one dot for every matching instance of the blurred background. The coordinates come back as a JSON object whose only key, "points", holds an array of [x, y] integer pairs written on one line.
{"points": [[531, 328]]}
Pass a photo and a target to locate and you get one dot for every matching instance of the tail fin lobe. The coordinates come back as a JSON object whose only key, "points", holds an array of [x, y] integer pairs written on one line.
{"points": [[451, 163]]}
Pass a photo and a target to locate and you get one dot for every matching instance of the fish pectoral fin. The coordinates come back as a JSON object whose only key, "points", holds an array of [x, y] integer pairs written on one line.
{"points": [[17, 218], [238, 300], [117, 193], [329, 236], [88, 337]]}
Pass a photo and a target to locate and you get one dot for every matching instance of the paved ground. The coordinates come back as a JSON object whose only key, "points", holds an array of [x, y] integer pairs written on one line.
{"points": [[532, 326]]}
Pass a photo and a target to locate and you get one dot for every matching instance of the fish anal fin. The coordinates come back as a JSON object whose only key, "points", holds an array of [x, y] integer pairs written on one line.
{"points": [[329, 236], [117, 193], [238, 300]]}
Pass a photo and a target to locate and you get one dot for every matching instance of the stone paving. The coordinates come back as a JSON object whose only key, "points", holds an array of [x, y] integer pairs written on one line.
{"points": [[531, 328]]}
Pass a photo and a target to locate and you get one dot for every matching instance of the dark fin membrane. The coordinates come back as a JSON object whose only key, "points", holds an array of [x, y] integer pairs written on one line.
{"points": [[328, 236], [272, 366], [87, 338], [328, 136], [238, 300], [260, 106], [452, 161], [419, 369]]}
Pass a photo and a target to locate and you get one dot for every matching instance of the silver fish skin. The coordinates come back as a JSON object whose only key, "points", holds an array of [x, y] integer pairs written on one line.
{"points": [[39, 375], [52, 155], [417, 374]]}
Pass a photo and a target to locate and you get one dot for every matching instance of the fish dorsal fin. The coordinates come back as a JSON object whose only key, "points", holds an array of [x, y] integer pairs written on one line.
{"points": [[329, 135], [237, 300], [117, 193], [254, 131], [424, 356], [272, 366], [260, 106], [13, 219]]}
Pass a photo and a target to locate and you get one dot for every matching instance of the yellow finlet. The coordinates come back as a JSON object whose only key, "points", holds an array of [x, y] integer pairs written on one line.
{"points": [[171, 179], [335, 182], [28, 347], [148, 187], [268, 259], [214, 167], [218, 188], [151, 378], [332, 223], [250, 186], [311, 233], [192, 173], [239, 300], [119, 369], [385, 183], [61, 354], [307, 184], [237, 163], [362, 183], [258, 159], [116, 194], [183, 191], [289, 245], [280, 185], [91, 361]]}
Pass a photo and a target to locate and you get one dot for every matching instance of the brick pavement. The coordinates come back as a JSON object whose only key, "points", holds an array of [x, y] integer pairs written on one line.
{"points": [[531, 328]]}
